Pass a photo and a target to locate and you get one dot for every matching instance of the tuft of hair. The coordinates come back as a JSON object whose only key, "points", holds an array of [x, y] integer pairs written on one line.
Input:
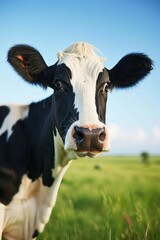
{"points": [[81, 50]]}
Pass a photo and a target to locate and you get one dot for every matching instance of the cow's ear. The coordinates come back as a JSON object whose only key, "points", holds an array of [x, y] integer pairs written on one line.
{"points": [[131, 69], [28, 63]]}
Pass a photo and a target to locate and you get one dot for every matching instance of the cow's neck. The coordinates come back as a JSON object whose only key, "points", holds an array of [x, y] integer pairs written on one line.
{"points": [[47, 196]]}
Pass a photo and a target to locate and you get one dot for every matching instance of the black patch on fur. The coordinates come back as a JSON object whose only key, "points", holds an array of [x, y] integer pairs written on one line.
{"points": [[35, 234], [9, 185], [40, 129], [131, 69], [4, 111], [14, 153]]}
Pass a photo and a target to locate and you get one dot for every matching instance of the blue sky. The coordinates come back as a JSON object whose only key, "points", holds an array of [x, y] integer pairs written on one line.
{"points": [[115, 28]]}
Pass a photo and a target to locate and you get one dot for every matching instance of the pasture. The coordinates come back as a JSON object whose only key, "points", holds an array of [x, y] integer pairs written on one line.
{"points": [[110, 198]]}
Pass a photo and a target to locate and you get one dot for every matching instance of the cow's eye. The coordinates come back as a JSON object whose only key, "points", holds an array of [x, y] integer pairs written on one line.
{"points": [[58, 85], [106, 87]]}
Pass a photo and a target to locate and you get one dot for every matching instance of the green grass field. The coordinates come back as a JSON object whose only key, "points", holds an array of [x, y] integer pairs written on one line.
{"points": [[119, 201]]}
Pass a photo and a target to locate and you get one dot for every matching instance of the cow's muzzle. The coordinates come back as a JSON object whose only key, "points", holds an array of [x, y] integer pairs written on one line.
{"points": [[89, 140]]}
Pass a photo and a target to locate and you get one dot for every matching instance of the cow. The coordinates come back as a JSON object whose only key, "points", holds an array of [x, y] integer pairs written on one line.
{"points": [[38, 141]]}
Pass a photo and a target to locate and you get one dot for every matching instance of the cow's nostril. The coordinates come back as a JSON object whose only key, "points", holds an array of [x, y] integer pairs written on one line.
{"points": [[78, 135], [102, 136], [89, 139]]}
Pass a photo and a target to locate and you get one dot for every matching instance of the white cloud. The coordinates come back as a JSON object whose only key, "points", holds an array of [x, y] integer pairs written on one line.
{"points": [[134, 141], [156, 132], [114, 131], [140, 135], [118, 133]]}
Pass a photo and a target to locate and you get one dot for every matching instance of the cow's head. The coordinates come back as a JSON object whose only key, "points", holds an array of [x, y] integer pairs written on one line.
{"points": [[81, 84]]}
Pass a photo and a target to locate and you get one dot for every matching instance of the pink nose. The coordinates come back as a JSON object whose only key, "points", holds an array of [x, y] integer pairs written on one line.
{"points": [[90, 140]]}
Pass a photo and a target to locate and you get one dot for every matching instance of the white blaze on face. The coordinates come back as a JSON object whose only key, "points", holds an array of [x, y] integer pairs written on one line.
{"points": [[85, 66], [84, 87]]}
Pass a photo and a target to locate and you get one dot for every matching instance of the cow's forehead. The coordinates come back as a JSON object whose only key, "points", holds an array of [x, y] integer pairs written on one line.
{"points": [[82, 60]]}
